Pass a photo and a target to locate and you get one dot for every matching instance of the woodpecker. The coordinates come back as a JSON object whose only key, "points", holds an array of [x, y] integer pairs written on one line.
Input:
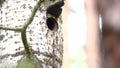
{"points": [[53, 12]]}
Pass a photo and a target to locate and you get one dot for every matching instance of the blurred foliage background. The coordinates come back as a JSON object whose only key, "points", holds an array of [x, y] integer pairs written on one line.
{"points": [[76, 27]]}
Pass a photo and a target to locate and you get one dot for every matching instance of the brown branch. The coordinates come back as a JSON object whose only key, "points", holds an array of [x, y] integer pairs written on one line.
{"points": [[23, 30], [13, 55], [23, 33], [11, 29], [33, 14]]}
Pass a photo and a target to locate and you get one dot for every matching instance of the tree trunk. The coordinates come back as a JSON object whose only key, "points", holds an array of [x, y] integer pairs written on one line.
{"points": [[25, 40]]}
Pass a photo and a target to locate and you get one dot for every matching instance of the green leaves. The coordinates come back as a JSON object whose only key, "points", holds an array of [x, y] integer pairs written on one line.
{"points": [[29, 63]]}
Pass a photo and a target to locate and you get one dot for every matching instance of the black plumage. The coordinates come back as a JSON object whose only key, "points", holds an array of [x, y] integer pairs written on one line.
{"points": [[55, 9]]}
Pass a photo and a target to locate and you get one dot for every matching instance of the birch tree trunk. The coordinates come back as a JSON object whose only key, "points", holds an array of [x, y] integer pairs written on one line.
{"points": [[24, 38]]}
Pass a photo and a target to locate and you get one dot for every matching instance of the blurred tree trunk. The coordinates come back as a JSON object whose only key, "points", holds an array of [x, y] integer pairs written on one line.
{"points": [[24, 38], [93, 39]]}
